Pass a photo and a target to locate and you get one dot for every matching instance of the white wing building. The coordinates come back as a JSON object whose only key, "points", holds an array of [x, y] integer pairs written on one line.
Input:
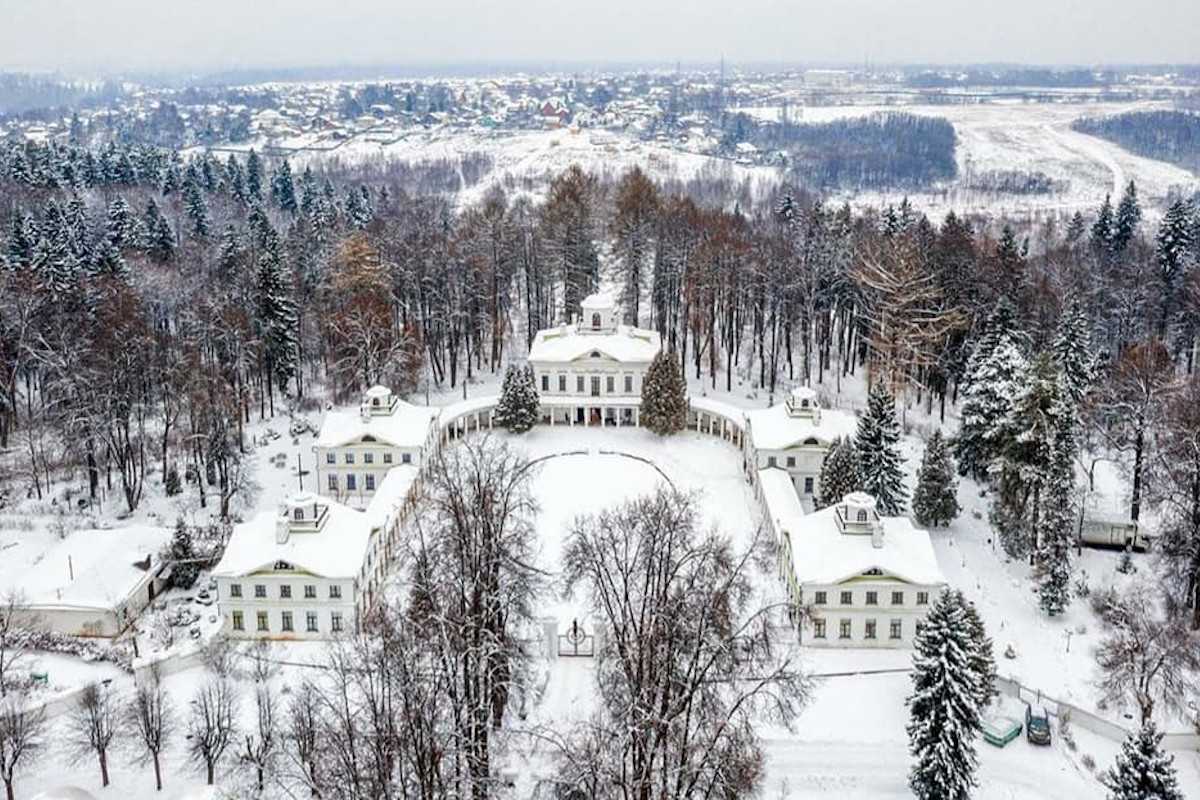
{"points": [[590, 372]]}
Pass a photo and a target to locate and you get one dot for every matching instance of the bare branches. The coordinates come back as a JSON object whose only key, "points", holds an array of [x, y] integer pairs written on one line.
{"points": [[22, 738], [212, 723], [93, 725], [150, 720]]}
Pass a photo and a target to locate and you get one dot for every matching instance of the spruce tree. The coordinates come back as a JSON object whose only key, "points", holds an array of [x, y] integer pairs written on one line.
{"points": [[945, 713], [1102, 228], [878, 445], [983, 657], [664, 407], [1142, 770], [992, 384], [1172, 250], [283, 189], [184, 568], [1072, 349], [841, 472], [195, 206], [517, 409], [1129, 217], [936, 498], [278, 322], [122, 228], [254, 176], [1056, 527]]}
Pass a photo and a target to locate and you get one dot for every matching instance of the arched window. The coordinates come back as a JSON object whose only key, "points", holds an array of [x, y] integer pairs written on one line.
{"points": [[298, 514], [862, 515], [595, 320], [804, 404], [811, 440]]}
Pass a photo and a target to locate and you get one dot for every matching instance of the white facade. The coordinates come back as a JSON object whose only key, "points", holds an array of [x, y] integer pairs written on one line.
{"points": [[590, 372], [312, 569], [795, 436], [355, 449], [863, 580]]}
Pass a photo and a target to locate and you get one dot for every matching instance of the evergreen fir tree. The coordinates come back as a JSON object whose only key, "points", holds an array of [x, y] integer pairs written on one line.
{"points": [[664, 395], [945, 715], [283, 189], [517, 409], [1173, 249], [122, 228], [254, 176], [195, 206], [1056, 527], [278, 323], [878, 445], [841, 472], [983, 657], [1072, 349], [993, 382], [172, 484], [1102, 228], [1142, 770], [1129, 217], [184, 568], [936, 498], [1076, 228]]}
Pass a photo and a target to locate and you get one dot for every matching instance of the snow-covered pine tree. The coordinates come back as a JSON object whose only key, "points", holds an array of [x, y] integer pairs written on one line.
{"points": [[195, 206], [184, 568], [878, 445], [983, 657], [1129, 217], [254, 176], [664, 395], [122, 228], [1102, 228], [993, 382], [1072, 349], [936, 498], [1142, 770], [283, 190], [1056, 528], [841, 472], [277, 321], [945, 716], [517, 409], [1173, 249]]}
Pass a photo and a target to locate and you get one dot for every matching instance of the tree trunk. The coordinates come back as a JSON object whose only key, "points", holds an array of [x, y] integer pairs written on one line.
{"points": [[103, 768], [157, 774], [209, 769], [1139, 447]]}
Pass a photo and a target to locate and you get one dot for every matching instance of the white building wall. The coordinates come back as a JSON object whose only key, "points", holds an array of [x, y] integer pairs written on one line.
{"points": [[367, 464], [274, 605], [859, 612], [802, 463]]}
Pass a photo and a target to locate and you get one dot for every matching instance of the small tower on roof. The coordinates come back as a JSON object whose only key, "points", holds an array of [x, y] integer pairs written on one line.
{"points": [[802, 404], [378, 401], [599, 314], [302, 512], [857, 516]]}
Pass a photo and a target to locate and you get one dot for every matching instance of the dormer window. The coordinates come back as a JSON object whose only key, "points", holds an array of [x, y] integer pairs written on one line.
{"points": [[278, 565], [595, 354], [298, 515], [596, 321], [375, 401], [862, 515]]}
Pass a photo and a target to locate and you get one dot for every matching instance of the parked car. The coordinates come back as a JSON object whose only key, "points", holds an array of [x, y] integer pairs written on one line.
{"points": [[1037, 725]]}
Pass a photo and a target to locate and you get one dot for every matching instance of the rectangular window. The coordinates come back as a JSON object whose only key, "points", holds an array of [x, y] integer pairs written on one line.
{"points": [[922, 598], [819, 598], [311, 621], [579, 384], [285, 591], [791, 461], [894, 632], [235, 590], [262, 621], [351, 483], [260, 590], [628, 384], [310, 591], [335, 622], [406, 458], [333, 483], [238, 624], [844, 629], [847, 598], [368, 458], [335, 592], [349, 458], [286, 622], [545, 383], [331, 458], [370, 478], [869, 629], [609, 384], [770, 461], [808, 485], [897, 598], [872, 598], [818, 629], [387, 458]]}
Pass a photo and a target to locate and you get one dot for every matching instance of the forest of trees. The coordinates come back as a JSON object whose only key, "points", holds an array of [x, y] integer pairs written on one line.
{"points": [[1171, 136]]}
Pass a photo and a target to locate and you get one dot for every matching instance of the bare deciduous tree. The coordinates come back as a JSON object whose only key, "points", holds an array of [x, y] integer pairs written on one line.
{"points": [[262, 745], [150, 720], [10, 654], [212, 724], [689, 665], [93, 725], [22, 737], [1147, 655]]}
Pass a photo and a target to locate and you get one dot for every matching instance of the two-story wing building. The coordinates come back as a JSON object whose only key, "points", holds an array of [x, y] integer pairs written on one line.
{"points": [[795, 436], [355, 449], [313, 568], [590, 372], [865, 580]]}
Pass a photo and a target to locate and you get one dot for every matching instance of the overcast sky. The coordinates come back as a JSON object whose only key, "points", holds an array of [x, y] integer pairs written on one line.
{"points": [[219, 34]]}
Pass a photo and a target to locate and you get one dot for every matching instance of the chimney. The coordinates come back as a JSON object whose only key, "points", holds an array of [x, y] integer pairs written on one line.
{"points": [[283, 529], [877, 534]]}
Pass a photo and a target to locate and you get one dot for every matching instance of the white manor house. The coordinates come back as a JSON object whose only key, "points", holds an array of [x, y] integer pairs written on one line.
{"points": [[313, 568]]}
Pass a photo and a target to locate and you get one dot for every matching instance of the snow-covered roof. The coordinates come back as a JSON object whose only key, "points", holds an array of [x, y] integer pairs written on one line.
{"points": [[822, 554], [90, 568], [565, 344], [334, 550], [774, 429], [719, 408], [597, 301], [391, 493], [406, 426], [784, 509]]}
